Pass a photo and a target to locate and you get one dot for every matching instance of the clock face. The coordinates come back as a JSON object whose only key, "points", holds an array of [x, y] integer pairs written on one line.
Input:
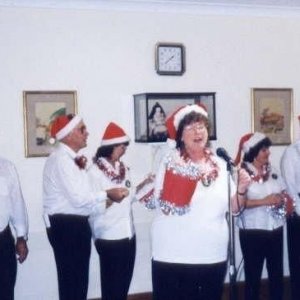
{"points": [[170, 59]]}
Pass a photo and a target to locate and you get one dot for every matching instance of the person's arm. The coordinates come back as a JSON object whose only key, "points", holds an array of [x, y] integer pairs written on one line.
{"points": [[149, 179], [112, 194], [289, 173], [238, 199], [76, 185], [272, 199], [18, 218]]}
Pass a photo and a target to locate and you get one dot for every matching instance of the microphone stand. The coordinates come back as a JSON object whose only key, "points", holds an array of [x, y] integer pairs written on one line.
{"points": [[232, 267]]}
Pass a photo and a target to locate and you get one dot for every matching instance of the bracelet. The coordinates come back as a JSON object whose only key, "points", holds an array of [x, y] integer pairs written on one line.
{"points": [[241, 194]]}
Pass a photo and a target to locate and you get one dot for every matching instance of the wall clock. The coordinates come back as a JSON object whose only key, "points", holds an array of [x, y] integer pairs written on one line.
{"points": [[169, 59]]}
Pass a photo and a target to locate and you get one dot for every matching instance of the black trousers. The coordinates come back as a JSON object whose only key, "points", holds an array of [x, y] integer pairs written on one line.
{"points": [[116, 267], [187, 281], [293, 239], [8, 265], [258, 246], [70, 238]]}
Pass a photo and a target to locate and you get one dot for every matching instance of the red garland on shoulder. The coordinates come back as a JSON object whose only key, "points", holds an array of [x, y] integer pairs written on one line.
{"points": [[81, 162]]}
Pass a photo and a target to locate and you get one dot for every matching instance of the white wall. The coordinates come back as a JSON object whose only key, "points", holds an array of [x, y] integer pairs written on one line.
{"points": [[107, 56]]}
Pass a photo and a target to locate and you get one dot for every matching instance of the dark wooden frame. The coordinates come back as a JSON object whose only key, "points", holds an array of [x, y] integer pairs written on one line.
{"points": [[143, 104]]}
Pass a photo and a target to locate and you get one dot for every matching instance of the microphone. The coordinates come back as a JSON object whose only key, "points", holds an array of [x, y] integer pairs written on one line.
{"points": [[221, 152]]}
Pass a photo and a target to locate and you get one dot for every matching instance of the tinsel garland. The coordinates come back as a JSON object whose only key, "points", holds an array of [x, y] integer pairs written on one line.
{"points": [[277, 212], [149, 200], [284, 210], [117, 178], [260, 178], [181, 165]]}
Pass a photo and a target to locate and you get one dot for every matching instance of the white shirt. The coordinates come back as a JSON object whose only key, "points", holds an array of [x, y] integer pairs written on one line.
{"points": [[66, 188], [12, 206], [290, 169], [117, 221], [201, 235], [260, 217]]}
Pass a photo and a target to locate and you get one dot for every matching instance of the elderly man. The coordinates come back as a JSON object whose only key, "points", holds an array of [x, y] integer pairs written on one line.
{"points": [[13, 214], [290, 168], [68, 201]]}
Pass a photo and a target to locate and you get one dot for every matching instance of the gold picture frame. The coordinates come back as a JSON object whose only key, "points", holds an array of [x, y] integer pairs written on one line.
{"points": [[272, 110], [40, 109]]}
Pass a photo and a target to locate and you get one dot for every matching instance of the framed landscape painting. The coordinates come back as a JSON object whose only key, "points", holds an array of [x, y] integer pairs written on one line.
{"points": [[40, 109], [272, 113]]}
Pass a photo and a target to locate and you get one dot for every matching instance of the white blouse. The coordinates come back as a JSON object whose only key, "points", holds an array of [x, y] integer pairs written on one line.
{"points": [[261, 217], [116, 222], [201, 235]]}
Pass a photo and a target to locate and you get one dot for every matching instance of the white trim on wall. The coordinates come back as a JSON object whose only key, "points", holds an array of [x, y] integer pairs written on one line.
{"points": [[273, 8]]}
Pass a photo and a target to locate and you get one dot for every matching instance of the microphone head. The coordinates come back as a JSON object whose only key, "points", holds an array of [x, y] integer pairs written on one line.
{"points": [[221, 152]]}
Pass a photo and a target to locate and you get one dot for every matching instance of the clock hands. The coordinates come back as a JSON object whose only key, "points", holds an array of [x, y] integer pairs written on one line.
{"points": [[169, 59]]}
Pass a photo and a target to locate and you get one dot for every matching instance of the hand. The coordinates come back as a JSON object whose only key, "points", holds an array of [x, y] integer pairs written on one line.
{"points": [[274, 199], [21, 249], [244, 180], [289, 203], [117, 194]]}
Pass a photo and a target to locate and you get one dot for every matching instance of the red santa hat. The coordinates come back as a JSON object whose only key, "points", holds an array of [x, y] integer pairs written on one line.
{"points": [[185, 110], [174, 119], [247, 142], [113, 135], [63, 125], [171, 129]]}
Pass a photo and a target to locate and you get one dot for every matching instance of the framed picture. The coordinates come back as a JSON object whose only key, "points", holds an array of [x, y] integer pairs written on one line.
{"points": [[272, 113], [40, 109], [152, 109]]}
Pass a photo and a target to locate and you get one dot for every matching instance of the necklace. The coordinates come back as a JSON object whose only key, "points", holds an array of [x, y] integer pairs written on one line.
{"points": [[111, 174], [260, 178]]}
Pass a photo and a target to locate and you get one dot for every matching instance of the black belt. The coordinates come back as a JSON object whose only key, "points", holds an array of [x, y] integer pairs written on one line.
{"points": [[68, 217]]}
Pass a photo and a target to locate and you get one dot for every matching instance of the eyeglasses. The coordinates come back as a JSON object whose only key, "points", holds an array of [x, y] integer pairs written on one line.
{"points": [[194, 127]]}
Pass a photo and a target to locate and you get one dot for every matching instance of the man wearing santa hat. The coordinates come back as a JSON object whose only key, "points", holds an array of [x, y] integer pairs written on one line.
{"points": [[13, 214], [290, 168], [68, 202]]}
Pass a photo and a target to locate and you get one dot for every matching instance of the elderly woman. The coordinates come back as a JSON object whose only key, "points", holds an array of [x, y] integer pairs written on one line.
{"points": [[261, 223], [190, 232], [113, 231]]}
